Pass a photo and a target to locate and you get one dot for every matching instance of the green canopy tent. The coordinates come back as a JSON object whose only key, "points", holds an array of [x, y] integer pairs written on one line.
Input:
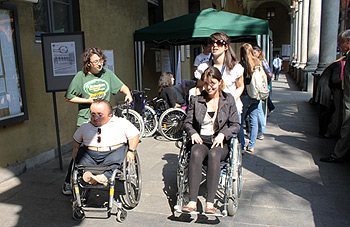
{"points": [[192, 28]]}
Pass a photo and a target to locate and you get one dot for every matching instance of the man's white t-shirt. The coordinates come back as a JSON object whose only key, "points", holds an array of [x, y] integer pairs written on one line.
{"points": [[116, 131], [201, 58]]}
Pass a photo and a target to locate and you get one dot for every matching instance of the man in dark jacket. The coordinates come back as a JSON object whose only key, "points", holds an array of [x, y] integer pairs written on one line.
{"points": [[343, 144]]}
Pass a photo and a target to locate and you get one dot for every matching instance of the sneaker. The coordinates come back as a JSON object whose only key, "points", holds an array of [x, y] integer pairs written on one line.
{"points": [[66, 189], [251, 150], [260, 137]]}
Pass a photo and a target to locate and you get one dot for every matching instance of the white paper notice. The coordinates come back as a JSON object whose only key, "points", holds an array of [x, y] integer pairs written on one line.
{"points": [[165, 61], [63, 58], [110, 60]]}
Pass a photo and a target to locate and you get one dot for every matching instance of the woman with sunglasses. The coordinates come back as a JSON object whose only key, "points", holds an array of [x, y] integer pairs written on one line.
{"points": [[211, 121], [250, 105], [225, 60]]}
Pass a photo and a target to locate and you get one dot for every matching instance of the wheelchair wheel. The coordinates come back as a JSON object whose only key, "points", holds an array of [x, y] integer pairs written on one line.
{"points": [[150, 121], [232, 206], [78, 213], [237, 170], [121, 215], [136, 119], [171, 123], [132, 183], [183, 195]]}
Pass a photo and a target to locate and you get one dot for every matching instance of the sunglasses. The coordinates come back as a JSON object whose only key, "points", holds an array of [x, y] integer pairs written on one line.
{"points": [[99, 137], [218, 43]]}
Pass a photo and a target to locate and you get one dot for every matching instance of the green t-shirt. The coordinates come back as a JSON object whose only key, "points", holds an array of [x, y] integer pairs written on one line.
{"points": [[88, 85]]}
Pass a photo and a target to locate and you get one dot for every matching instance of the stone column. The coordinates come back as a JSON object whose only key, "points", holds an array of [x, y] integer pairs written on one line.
{"points": [[313, 41], [296, 39], [303, 46], [329, 33]]}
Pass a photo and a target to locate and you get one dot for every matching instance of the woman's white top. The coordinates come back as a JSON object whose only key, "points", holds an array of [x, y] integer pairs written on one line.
{"points": [[229, 77]]}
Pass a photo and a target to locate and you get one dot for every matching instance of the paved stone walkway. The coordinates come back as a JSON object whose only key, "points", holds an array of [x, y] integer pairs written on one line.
{"points": [[284, 182]]}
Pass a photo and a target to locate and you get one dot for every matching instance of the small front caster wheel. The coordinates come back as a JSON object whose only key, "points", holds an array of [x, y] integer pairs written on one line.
{"points": [[121, 215]]}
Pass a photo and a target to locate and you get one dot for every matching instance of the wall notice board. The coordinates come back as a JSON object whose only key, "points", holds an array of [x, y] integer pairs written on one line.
{"points": [[61, 58]]}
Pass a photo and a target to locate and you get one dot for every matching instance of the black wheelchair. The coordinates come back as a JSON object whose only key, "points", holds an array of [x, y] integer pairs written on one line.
{"points": [[127, 176], [230, 183]]}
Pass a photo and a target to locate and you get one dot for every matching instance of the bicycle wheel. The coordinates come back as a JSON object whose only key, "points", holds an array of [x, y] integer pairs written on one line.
{"points": [[136, 119], [150, 121], [171, 123]]}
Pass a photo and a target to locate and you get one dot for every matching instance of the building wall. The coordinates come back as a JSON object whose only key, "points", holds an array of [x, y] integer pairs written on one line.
{"points": [[36, 135], [280, 27], [110, 26]]}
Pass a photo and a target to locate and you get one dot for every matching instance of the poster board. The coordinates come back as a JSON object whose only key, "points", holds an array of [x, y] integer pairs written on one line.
{"points": [[61, 58]]}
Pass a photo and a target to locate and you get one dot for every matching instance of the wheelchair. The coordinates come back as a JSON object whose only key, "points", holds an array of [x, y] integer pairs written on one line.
{"points": [[230, 183], [126, 175]]}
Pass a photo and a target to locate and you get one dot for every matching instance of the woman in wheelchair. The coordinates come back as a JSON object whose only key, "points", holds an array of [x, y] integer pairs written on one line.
{"points": [[165, 89], [104, 138], [211, 121]]}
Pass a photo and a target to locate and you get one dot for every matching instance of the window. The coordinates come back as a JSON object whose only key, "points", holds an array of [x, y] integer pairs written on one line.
{"points": [[53, 16], [155, 11], [270, 14], [13, 106], [194, 6]]}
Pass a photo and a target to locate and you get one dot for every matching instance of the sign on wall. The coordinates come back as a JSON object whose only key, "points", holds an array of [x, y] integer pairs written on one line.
{"points": [[110, 60], [61, 58]]}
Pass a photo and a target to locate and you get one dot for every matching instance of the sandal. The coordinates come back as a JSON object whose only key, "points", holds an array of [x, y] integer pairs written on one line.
{"points": [[188, 209], [211, 210]]}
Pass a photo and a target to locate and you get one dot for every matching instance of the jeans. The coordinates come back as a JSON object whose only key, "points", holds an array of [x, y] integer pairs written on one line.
{"points": [[91, 157], [261, 119], [250, 108], [270, 105], [277, 73]]}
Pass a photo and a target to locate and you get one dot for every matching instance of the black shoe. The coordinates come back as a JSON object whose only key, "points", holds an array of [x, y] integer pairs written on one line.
{"points": [[329, 159]]}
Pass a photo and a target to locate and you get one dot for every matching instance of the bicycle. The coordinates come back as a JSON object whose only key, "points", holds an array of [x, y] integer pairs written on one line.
{"points": [[170, 121]]}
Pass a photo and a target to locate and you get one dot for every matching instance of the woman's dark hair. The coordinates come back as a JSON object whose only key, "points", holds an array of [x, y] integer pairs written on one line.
{"points": [[213, 72], [85, 59], [261, 55], [165, 81], [249, 61], [230, 56]]}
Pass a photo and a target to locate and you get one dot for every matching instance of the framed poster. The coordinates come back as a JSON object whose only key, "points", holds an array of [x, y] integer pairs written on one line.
{"points": [[61, 58], [13, 101]]}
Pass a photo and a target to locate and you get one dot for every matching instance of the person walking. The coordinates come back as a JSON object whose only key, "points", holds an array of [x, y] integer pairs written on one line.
{"points": [[270, 106], [225, 60], [277, 65], [250, 105]]}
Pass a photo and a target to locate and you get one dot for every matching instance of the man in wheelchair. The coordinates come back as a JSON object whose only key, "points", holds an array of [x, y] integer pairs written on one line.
{"points": [[211, 122], [102, 141]]}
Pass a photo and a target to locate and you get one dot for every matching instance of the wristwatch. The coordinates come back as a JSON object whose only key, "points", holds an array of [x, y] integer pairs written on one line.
{"points": [[133, 151]]}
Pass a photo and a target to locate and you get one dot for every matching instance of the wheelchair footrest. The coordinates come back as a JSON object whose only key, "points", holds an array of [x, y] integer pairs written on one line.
{"points": [[96, 212], [217, 214]]}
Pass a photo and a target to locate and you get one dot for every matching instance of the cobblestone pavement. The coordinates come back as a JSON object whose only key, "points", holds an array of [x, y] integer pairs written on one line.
{"points": [[284, 183]]}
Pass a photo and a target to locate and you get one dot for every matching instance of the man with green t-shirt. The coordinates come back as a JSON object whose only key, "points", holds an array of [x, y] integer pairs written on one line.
{"points": [[93, 82]]}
